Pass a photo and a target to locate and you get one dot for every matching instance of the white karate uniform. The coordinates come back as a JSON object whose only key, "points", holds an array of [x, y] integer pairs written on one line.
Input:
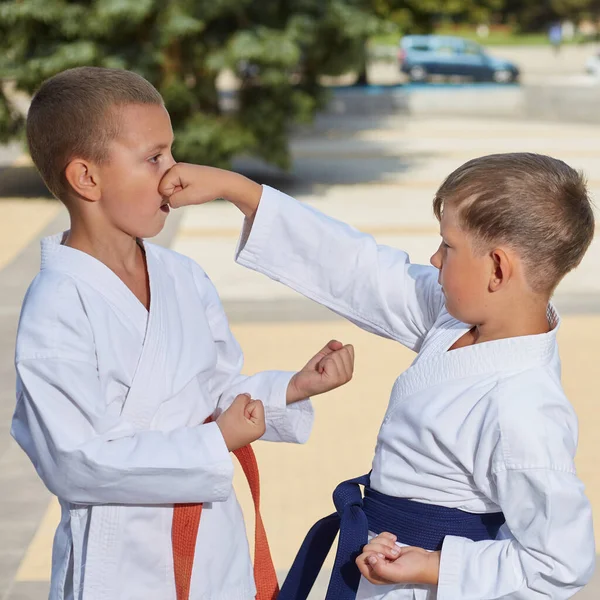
{"points": [[111, 404], [482, 428]]}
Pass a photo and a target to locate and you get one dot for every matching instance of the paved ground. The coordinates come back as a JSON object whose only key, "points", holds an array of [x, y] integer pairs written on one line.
{"points": [[379, 175]]}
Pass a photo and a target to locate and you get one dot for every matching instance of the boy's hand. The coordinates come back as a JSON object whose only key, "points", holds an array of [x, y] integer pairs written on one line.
{"points": [[383, 562], [330, 368], [243, 422], [185, 184]]}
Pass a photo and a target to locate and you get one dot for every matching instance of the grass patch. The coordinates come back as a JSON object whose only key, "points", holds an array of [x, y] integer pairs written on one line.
{"points": [[496, 37]]}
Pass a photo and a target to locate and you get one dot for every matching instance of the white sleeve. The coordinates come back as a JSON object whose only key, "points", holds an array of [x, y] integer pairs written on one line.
{"points": [[285, 423], [551, 550], [376, 287], [86, 456], [552, 554]]}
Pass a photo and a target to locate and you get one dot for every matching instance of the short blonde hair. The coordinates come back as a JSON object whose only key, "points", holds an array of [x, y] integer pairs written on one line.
{"points": [[73, 115], [537, 205]]}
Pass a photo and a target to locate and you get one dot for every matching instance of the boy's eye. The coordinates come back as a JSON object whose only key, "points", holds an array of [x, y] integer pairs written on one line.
{"points": [[154, 159]]}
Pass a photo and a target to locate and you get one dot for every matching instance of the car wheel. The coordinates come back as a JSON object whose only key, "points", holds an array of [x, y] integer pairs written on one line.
{"points": [[417, 73], [503, 76]]}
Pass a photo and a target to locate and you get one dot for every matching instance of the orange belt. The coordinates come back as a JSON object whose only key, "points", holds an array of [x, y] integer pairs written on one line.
{"points": [[186, 519]]}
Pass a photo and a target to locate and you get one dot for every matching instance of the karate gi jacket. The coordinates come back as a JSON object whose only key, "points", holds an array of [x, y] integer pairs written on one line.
{"points": [[111, 404]]}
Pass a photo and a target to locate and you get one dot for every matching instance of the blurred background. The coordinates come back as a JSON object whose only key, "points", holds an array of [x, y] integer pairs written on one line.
{"points": [[358, 107]]}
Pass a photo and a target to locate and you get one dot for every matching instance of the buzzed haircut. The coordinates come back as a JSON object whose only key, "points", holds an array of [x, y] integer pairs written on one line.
{"points": [[537, 205], [75, 114]]}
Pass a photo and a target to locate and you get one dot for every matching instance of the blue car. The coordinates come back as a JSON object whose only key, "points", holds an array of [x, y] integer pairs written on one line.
{"points": [[421, 56]]}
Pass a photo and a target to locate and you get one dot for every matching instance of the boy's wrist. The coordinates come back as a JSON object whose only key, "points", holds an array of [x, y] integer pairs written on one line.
{"points": [[433, 570], [293, 394], [243, 193]]}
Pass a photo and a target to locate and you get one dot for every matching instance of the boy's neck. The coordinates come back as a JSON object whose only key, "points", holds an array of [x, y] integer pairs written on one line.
{"points": [[116, 249], [529, 319]]}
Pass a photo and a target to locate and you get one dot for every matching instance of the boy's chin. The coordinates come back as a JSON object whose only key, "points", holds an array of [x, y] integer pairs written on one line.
{"points": [[450, 311], [464, 316], [454, 311], [152, 230]]}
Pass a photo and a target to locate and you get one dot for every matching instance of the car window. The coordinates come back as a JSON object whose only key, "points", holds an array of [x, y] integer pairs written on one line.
{"points": [[420, 46], [472, 48], [446, 47]]}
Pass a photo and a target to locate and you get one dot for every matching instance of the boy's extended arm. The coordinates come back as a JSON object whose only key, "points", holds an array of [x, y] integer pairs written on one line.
{"points": [[374, 286], [186, 184]]}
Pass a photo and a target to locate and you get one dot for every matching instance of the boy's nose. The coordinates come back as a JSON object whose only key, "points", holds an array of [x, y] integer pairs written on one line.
{"points": [[435, 260], [171, 162]]}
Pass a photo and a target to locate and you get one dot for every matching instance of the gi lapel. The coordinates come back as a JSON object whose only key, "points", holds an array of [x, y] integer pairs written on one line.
{"points": [[95, 274], [149, 385], [510, 354]]}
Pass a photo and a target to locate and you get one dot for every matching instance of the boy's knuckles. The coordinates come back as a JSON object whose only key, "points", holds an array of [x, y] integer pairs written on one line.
{"points": [[385, 541], [241, 399], [379, 548]]}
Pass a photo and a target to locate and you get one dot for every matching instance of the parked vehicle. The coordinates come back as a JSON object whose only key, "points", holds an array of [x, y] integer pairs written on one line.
{"points": [[421, 56]]}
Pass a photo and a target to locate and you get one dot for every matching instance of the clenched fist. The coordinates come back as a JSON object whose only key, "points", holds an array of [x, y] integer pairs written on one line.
{"points": [[185, 184], [330, 368], [243, 422]]}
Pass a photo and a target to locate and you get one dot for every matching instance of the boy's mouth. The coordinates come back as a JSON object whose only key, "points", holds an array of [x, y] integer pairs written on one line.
{"points": [[165, 207]]}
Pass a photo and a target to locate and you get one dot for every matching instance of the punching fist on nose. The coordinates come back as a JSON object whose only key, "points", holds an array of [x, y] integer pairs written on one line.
{"points": [[185, 184]]}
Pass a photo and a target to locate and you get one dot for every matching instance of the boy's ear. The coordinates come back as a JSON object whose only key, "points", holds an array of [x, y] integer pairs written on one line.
{"points": [[502, 269], [84, 179]]}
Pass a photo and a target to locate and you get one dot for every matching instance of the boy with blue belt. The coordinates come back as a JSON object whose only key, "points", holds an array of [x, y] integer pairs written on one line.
{"points": [[478, 431]]}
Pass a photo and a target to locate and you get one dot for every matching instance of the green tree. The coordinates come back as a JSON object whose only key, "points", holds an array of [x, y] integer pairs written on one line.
{"points": [[279, 49], [420, 16], [532, 15]]}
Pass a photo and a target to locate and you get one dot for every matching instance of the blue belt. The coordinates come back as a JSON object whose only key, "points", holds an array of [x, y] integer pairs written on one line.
{"points": [[413, 523]]}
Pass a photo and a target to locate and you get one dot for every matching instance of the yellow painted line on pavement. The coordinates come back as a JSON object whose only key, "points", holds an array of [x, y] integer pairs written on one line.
{"points": [[22, 220], [36, 565]]}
